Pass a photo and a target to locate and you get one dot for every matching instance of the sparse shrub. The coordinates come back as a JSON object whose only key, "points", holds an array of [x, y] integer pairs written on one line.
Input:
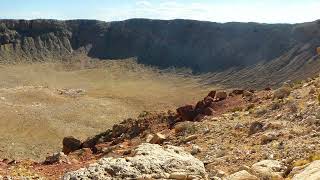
{"points": [[260, 112], [235, 109], [143, 114], [282, 93], [249, 107], [276, 105], [183, 128], [310, 159], [297, 84], [293, 107]]}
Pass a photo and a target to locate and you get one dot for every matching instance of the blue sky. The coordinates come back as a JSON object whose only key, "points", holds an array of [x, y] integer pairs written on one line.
{"points": [[267, 11]]}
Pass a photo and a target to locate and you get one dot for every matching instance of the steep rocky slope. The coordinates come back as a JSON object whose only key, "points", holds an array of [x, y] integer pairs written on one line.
{"points": [[281, 50], [269, 134]]}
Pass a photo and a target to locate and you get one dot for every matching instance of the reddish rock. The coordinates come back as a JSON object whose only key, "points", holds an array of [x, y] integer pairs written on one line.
{"points": [[200, 105], [100, 138], [70, 144], [187, 113], [208, 100], [221, 95], [212, 94]]}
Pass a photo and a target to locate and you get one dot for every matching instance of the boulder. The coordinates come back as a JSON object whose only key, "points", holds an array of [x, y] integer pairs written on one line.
{"points": [[242, 175], [208, 100], [92, 141], [187, 113], [200, 105], [212, 94], [149, 160], [70, 144], [311, 172], [221, 95], [269, 169]]}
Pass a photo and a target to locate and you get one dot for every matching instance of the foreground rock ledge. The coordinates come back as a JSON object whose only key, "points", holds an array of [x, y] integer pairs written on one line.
{"points": [[149, 161]]}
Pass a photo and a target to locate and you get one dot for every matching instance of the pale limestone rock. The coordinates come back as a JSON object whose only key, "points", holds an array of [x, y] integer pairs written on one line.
{"points": [[149, 159], [311, 172], [269, 169]]}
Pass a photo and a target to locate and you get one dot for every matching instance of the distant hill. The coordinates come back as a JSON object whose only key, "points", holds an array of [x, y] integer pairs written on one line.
{"points": [[250, 53]]}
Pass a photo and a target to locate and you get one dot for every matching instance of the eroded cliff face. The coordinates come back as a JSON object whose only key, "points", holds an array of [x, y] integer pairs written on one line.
{"points": [[33, 40], [201, 46]]}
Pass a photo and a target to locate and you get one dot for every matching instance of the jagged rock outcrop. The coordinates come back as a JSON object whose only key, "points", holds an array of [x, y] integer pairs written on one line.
{"points": [[35, 40], [150, 160]]}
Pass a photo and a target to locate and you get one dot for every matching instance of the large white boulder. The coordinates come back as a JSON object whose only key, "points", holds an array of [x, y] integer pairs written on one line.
{"points": [[150, 160], [269, 169]]}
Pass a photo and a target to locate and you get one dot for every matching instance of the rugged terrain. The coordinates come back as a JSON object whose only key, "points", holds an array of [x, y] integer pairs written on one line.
{"points": [[230, 51], [232, 101], [267, 134]]}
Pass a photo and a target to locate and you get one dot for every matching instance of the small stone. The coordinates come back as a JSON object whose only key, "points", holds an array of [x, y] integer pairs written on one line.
{"points": [[57, 158], [194, 177], [220, 173], [195, 149], [242, 175], [149, 138], [190, 138], [158, 138]]}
